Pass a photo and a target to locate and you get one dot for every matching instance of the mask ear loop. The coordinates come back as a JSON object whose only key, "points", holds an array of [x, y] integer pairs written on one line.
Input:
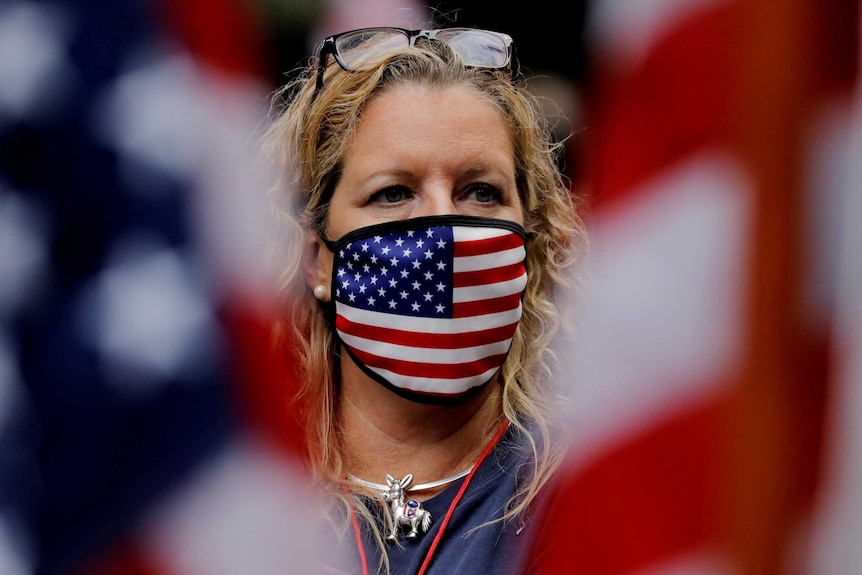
{"points": [[336, 360], [328, 310], [331, 245]]}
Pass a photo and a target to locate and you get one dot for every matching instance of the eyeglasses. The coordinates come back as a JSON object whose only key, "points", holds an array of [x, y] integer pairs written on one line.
{"points": [[477, 48]]}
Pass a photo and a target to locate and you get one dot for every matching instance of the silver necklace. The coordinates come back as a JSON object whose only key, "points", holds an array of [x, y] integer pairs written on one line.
{"points": [[404, 512], [416, 488]]}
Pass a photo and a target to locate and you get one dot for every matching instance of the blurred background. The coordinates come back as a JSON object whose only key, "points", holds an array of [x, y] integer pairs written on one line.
{"points": [[716, 370]]}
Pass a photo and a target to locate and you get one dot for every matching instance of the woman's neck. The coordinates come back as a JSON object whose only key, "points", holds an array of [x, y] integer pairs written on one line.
{"points": [[384, 433]]}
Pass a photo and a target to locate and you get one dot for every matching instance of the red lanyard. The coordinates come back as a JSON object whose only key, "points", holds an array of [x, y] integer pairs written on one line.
{"points": [[446, 519]]}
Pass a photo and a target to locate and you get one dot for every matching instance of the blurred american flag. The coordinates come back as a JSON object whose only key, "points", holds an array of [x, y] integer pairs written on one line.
{"points": [[704, 383], [144, 422]]}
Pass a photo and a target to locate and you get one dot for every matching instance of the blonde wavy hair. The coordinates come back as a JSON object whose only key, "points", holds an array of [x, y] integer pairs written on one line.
{"points": [[308, 137]]}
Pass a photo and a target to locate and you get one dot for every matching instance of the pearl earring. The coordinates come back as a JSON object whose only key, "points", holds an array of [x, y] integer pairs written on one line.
{"points": [[320, 292]]}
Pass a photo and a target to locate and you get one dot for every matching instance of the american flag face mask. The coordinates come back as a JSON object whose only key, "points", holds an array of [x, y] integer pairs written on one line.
{"points": [[428, 306]]}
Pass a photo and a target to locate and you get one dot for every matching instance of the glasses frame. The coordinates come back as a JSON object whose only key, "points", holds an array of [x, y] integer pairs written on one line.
{"points": [[330, 47]]}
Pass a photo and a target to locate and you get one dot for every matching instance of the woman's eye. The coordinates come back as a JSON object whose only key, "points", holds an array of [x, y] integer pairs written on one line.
{"points": [[391, 195], [484, 193]]}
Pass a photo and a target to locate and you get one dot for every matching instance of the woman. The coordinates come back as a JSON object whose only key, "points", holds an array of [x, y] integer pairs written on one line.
{"points": [[429, 229]]}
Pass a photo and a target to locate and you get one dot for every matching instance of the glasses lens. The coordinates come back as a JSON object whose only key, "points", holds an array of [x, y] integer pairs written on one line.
{"points": [[357, 48], [479, 48]]}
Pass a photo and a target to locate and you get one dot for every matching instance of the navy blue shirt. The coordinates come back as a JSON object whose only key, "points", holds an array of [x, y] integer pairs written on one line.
{"points": [[497, 548]]}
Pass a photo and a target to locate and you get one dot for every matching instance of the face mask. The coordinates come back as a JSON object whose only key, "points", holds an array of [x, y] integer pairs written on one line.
{"points": [[428, 306]]}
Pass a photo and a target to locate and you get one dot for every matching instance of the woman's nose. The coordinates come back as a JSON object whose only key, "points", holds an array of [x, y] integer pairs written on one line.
{"points": [[437, 201]]}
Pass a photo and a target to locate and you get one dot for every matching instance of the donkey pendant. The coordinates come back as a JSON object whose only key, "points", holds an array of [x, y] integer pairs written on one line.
{"points": [[410, 513]]}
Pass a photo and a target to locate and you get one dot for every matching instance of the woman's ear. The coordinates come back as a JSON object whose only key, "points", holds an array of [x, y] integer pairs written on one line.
{"points": [[317, 265]]}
